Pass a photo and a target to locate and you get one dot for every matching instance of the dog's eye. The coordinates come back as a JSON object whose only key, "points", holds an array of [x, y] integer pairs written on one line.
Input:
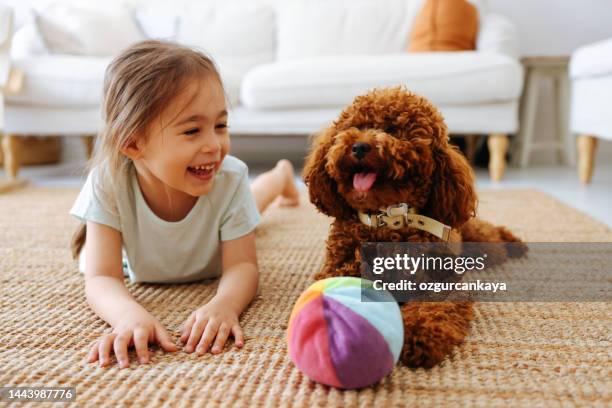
{"points": [[390, 129]]}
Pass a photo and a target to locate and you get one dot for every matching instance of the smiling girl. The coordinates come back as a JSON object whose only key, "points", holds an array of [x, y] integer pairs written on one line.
{"points": [[164, 202]]}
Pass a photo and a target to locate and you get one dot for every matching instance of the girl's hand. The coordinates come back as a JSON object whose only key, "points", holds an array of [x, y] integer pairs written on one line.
{"points": [[213, 321], [138, 328]]}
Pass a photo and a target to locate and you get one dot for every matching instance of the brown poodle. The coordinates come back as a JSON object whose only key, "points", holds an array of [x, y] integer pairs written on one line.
{"points": [[391, 146]]}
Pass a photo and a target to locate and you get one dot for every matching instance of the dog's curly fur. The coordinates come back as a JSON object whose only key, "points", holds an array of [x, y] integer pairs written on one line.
{"points": [[415, 164]]}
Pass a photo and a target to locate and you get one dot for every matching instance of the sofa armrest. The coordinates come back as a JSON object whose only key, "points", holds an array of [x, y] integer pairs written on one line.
{"points": [[497, 34], [6, 34], [592, 60]]}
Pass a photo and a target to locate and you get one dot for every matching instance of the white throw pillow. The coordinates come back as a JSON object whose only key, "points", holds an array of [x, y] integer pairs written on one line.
{"points": [[159, 19], [86, 30], [27, 41], [6, 23], [308, 29], [158, 26], [237, 36]]}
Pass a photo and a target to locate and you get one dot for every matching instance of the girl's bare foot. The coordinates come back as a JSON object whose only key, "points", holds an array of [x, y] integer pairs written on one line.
{"points": [[290, 196]]}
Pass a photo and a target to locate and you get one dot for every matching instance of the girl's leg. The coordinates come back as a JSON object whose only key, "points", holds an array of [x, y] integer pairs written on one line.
{"points": [[276, 184]]}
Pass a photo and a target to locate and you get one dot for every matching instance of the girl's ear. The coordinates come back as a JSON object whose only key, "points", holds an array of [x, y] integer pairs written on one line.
{"points": [[323, 189], [452, 199], [131, 150]]}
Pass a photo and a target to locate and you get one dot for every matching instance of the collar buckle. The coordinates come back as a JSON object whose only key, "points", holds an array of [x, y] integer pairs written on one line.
{"points": [[380, 222], [397, 209]]}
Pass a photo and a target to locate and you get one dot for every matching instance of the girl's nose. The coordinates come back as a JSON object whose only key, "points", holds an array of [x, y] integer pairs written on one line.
{"points": [[211, 144]]}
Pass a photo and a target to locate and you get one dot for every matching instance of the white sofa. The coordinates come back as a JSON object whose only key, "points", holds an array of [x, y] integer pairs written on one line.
{"points": [[289, 67], [6, 28], [591, 119]]}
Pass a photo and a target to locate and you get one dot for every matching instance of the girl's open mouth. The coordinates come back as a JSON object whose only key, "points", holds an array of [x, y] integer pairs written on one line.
{"points": [[203, 172]]}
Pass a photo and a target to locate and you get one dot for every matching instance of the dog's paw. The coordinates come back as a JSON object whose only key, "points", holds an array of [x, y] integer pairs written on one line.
{"points": [[432, 330], [516, 248], [326, 272], [320, 275]]}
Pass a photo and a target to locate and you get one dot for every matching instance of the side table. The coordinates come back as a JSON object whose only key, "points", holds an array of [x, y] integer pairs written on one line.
{"points": [[536, 70]]}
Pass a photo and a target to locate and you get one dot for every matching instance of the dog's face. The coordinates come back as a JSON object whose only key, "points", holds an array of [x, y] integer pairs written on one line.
{"points": [[389, 146]]}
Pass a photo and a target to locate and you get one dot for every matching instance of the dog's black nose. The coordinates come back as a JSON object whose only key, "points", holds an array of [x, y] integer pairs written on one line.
{"points": [[360, 149]]}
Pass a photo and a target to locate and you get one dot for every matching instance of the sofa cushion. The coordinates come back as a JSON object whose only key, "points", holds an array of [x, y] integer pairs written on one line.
{"points": [[238, 37], [314, 28], [447, 78], [445, 25], [6, 23], [27, 41], [158, 19], [62, 81], [86, 30], [592, 60]]}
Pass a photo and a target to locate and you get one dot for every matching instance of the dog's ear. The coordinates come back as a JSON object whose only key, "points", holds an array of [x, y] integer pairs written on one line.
{"points": [[322, 189], [452, 199]]}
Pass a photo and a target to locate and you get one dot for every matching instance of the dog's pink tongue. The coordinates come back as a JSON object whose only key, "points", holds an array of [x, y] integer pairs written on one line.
{"points": [[363, 181]]}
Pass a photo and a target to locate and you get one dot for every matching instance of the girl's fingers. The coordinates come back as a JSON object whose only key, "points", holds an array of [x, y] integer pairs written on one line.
{"points": [[141, 342], [104, 348], [220, 340], [187, 327], [196, 333], [207, 338], [163, 338], [238, 335], [121, 348], [93, 353]]}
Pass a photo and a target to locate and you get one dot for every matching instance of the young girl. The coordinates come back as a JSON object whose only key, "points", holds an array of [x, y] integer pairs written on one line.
{"points": [[164, 202]]}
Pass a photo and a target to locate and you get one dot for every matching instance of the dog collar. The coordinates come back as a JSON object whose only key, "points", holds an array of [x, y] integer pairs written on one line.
{"points": [[400, 215]]}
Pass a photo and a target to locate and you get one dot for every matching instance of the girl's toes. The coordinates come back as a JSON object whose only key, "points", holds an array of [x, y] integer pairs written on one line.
{"points": [[285, 165]]}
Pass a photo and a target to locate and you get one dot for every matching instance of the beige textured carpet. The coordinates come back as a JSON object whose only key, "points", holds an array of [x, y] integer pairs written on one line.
{"points": [[518, 354]]}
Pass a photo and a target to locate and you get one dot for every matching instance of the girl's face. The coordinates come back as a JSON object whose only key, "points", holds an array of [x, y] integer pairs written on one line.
{"points": [[189, 140]]}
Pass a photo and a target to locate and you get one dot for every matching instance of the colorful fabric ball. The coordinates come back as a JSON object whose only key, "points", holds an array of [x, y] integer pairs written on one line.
{"points": [[338, 339]]}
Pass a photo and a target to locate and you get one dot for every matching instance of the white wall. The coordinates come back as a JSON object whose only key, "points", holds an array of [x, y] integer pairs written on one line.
{"points": [[556, 27]]}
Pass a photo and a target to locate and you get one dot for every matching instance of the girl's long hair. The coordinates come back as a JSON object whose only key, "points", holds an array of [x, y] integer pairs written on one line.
{"points": [[138, 85]]}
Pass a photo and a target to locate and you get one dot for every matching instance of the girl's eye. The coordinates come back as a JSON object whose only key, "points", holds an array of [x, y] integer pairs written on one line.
{"points": [[221, 126], [192, 131]]}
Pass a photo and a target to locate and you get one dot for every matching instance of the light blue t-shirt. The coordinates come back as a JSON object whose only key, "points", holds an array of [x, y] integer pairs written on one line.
{"points": [[155, 250]]}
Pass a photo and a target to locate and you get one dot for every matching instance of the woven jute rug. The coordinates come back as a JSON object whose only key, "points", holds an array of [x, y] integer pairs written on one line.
{"points": [[518, 354]]}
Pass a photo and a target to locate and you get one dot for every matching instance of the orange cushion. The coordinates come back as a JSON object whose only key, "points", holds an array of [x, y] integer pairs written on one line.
{"points": [[445, 25]]}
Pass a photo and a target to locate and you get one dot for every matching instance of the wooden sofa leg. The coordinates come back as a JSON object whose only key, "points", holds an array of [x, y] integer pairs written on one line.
{"points": [[587, 146], [498, 146], [89, 141], [471, 143], [11, 148]]}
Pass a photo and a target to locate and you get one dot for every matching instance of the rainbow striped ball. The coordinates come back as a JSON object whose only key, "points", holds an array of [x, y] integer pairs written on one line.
{"points": [[337, 339]]}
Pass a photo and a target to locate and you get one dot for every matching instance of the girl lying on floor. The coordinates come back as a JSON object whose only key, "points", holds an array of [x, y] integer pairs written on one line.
{"points": [[164, 202]]}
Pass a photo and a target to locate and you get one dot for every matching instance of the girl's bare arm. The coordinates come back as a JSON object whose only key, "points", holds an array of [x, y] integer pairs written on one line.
{"points": [[104, 288], [109, 298], [240, 279], [211, 324]]}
